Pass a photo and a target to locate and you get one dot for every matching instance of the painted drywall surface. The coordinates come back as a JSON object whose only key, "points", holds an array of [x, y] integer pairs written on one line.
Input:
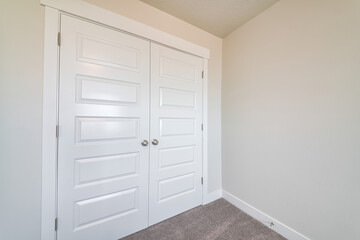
{"points": [[217, 17], [151, 16], [21, 60], [291, 116]]}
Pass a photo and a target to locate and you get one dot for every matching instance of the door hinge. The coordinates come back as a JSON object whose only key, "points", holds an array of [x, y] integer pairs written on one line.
{"points": [[59, 39], [56, 224], [202, 180], [202, 127], [57, 131], [202, 74]]}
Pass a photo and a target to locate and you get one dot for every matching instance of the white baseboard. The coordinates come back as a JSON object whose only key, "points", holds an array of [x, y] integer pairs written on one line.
{"points": [[210, 197], [272, 223]]}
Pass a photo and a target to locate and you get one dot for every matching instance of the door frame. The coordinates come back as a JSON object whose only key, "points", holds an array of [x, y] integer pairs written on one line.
{"points": [[78, 8]]}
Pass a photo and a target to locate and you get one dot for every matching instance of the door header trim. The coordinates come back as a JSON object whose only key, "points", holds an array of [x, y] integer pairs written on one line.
{"points": [[94, 13]]}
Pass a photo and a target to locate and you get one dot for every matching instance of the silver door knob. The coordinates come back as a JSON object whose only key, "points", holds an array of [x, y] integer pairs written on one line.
{"points": [[144, 143], [155, 142]]}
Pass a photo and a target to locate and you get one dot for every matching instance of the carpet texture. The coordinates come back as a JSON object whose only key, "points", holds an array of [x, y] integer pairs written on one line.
{"points": [[218, 220]]}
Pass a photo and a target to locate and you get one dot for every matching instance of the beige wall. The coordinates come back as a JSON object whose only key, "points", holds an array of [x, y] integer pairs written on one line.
{"points": [[291, 116], [146, 14], [21, 60]]}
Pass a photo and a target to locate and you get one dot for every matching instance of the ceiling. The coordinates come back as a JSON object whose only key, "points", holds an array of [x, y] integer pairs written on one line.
{"points": [[219, 17]]}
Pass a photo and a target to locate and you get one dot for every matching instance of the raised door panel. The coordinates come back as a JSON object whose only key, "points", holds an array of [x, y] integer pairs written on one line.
{"points": [[98, 129], [103, 116], [98, 210], [110, 53], [176, 156], [177, 98], [172, 127], [176, 186], [174, 68], [108, 168], [106, 91]]}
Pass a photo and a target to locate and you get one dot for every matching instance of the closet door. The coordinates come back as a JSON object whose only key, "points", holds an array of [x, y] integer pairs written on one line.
{"points": [[103, 118], [176, 135]]}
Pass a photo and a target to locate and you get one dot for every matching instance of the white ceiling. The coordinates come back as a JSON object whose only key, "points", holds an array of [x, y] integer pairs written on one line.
{"points": [[219, 17]]}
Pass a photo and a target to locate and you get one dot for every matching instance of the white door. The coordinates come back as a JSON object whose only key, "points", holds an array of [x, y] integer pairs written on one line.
{"points": [[176, 135], [103, 117]]}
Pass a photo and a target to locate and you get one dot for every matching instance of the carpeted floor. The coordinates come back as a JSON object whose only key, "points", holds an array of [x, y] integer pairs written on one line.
{"points": [[218, 220]]}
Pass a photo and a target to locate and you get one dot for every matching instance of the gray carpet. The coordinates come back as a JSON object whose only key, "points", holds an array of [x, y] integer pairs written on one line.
{"points": [[218, 220]]}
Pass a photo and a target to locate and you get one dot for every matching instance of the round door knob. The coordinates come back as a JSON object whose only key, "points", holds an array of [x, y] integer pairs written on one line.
{"points": [[155, 142], [144, 143]]}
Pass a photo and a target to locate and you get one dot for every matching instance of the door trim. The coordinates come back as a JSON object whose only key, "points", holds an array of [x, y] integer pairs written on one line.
{"points": [[49, 125], [53, 9], [100, 15]]}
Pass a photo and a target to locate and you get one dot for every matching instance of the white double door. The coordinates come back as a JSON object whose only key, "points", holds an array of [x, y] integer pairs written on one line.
{"points": [[130, 140]]}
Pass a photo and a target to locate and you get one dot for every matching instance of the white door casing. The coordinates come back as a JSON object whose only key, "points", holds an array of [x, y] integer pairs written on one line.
{"points": [[103, 117], [80, 9], [176, 124]]}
